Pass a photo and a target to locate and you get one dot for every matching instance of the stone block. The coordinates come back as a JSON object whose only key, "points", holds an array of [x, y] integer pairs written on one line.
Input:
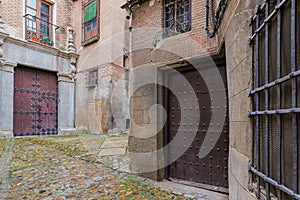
{"points": [[136, 102], [114, 144], [135, 168], [149, 145], [7, 92], [137, 116], [112, 151], [151, 175], [237, 47], [135, 144], [6, 134], [246, 194], [239, 78], [233, 186], [240, 136], [238, 167], [66, 104], [146, 116], [239, 105]]}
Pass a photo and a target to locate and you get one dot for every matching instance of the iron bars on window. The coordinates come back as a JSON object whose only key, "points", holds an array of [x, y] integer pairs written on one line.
{"points": [[275, 95]]}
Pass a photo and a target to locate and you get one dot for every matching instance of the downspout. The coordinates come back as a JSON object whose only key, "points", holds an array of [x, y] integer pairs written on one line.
{"points": [[215, 18]]}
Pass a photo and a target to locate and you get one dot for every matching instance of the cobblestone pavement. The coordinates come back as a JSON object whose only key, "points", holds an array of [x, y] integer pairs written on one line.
{"points": [[68, 167], [2, 145]]}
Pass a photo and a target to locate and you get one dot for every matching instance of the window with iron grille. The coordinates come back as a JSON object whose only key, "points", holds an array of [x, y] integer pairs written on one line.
{"points": [[275, 95], [177, 15], [90, 24], [93, 78]]}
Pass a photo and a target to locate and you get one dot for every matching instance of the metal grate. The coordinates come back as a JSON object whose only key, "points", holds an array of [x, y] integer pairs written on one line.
{"points": [[177, 15], [275, 95]]}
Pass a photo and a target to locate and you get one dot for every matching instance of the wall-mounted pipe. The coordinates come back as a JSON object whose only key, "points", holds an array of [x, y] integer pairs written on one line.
{"points": [[215, 17]]}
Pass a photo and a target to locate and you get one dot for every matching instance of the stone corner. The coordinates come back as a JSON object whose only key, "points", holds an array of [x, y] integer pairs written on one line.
{"points": [[67, 131], [6, 134]]}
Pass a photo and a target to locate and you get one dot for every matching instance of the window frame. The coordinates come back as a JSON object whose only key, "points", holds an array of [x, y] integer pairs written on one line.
{"points": [[86, 41], [38, 18], [93, 78], [176, 10]]}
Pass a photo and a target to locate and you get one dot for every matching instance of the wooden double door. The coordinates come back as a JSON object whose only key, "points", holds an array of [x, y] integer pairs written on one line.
{"points": [[35, 102]]}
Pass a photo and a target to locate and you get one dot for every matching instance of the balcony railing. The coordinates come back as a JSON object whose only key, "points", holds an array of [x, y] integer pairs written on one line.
{"points": [[41, 31]]}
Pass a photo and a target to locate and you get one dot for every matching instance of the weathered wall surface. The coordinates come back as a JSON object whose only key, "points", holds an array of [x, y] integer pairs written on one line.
{"points": [[106, 56], [234, 33], [238, 73]]}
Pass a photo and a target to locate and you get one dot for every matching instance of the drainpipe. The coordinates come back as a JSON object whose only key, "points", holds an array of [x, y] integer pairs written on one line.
{"points": [[215, 17]]}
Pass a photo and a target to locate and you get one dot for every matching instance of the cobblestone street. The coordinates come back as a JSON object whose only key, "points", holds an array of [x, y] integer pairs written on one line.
{"points": [[70, 167]]}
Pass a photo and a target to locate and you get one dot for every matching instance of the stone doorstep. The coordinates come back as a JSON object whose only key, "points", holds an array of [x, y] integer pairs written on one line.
{"points": [[112, 151], [114, 144], [188, 191]]}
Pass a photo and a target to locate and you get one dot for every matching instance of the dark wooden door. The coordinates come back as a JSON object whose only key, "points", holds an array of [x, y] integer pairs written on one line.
{"points": [[211, 170], [35, 102]]}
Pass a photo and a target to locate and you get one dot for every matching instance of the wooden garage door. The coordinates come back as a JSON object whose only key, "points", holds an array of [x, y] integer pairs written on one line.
{"points": [[35, 102], [211, 171]]}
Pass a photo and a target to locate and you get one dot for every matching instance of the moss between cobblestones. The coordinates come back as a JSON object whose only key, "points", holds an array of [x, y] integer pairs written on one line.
{"points": [[2, 145], [132, 187], [54, 168], [70, 145]]}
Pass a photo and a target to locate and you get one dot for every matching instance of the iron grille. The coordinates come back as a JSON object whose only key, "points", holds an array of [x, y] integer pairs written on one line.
{"points": [[275, 97], [177, 15]]}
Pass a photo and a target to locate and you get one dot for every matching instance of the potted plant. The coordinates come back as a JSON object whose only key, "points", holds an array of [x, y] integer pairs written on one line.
{"points": [[47, 41], [35, 39]]}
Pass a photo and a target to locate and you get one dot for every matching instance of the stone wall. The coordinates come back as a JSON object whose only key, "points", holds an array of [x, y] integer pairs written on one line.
{"points": [[233, 34], [238, 73]]}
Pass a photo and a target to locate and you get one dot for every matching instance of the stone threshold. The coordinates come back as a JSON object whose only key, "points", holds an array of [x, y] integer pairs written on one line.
{"points": [[188, 191]]}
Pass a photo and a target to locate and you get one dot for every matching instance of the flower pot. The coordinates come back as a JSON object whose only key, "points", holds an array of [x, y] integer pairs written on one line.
{"points": [[35, 39], [47, 43]]}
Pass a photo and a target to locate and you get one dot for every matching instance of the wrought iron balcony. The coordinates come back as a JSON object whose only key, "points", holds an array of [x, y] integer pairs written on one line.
{"points": [[41, 31]]}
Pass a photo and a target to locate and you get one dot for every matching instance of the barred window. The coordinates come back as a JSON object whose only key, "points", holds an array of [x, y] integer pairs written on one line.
{"points": [[93, 78], [177, 15], [275, 95]]}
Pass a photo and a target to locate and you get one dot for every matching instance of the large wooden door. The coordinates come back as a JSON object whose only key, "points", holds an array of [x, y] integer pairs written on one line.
{"points": [[211, 171], [35, 102]]}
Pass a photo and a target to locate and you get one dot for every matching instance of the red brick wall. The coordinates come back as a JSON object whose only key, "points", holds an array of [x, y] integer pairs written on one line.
{"points": [[12, 12], [152, 16]]}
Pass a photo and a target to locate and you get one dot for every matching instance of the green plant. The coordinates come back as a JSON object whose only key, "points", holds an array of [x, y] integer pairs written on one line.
{"points": [[83, 131], [63, 48], [47, 40]]}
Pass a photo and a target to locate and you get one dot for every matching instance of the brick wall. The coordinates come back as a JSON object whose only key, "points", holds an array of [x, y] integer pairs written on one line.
{"points": [[147, 16], [12, 12], [64, 19]]}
